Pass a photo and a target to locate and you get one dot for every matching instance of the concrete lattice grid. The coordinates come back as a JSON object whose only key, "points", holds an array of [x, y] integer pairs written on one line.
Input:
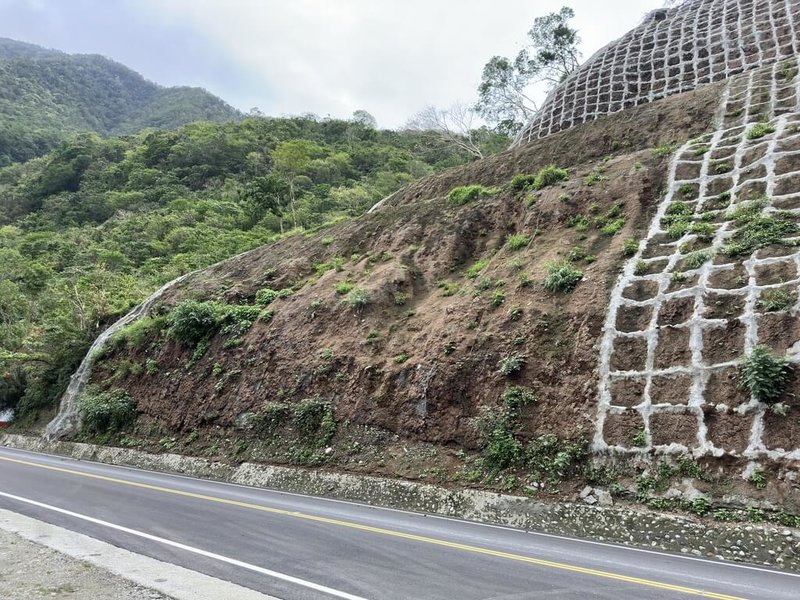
{"points": [[674, 51], [674, 335]]}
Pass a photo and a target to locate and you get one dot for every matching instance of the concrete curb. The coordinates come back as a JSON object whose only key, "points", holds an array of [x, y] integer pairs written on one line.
{"points": [[760, 544]]}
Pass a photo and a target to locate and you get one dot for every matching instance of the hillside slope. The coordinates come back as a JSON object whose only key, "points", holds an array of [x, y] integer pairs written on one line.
{"points": [[388, 344], [46, 96]]}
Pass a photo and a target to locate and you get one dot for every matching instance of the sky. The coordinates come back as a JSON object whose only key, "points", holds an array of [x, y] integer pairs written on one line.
{"points": [[328, 57]]}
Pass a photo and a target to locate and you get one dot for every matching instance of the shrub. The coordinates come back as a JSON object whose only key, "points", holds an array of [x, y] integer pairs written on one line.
{"points": [[704, 231], [308, 415], [764, 375], [562, 276], [357, 298], [400, 298], [664, 150], [759, 130], [135, 334], [191, 321], [640, 439], [463, 194], [549, 175], [515, 397], [343, 287], [756, 229], [475, 270], [522, 181], [107, 412], [401, 358], [512, 364], [517, 241], [266, 296], [238, 319], [678, 229], [775, 299], [500, 448], [613, 227], [498, 297], [640, 268], [629, 247], [697, 259], [271, 417], [449, 288]]}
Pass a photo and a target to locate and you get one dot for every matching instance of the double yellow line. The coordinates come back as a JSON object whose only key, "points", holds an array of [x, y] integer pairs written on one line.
{"points": [[389, 532]]}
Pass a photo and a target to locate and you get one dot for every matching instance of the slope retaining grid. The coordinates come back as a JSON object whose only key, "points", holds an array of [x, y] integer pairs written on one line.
{"points": [[672, 51], [675, 331]]}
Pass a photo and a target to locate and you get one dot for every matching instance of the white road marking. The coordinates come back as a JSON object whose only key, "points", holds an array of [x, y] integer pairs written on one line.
{"points": [[231, 561], [171, 580]]}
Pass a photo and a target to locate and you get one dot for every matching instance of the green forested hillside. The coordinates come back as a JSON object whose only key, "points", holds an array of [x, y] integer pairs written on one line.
{"points": [[93, 227], [47, 96]]}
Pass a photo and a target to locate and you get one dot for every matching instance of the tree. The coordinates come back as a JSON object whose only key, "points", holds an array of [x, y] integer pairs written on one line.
{"points": [[452, 125], [266, 194], [291, 159], [550, 56], [365, 119]]}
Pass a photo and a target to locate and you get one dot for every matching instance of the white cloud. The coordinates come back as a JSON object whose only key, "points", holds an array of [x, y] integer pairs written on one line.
{"points": [[388, 57]]}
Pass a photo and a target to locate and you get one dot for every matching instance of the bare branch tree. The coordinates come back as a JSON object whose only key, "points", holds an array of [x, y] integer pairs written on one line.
{"points": [[454, 125]]}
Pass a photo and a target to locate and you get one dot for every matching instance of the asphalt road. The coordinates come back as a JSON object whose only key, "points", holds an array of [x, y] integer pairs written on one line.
{"points": [[298, 547]]}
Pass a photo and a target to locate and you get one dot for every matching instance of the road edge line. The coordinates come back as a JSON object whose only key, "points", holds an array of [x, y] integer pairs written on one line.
{"points": [[171, 580]]}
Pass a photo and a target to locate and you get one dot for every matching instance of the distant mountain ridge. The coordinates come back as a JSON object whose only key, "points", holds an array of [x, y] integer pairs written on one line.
{"points": [[48, 95]]}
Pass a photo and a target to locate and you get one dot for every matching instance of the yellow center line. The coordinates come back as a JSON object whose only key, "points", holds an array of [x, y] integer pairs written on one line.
{"points": [[388, 532]]}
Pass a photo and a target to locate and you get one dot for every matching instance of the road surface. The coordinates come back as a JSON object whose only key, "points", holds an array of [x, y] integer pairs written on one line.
{"points": [[304, 548]]}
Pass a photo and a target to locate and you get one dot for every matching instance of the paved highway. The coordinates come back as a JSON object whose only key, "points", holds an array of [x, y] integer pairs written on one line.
{"points": [[303, 548]]}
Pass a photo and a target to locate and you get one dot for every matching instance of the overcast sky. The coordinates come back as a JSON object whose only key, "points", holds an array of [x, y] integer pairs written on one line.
{"points": [[329, 57]]}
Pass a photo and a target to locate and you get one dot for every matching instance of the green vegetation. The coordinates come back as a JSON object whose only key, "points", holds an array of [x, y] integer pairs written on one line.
{"points": [[664, 150], [473, 271], [107, 413], [547, 176], [562, 276], [401, 298], [312, 416], [357, 298], [512, 364], [95, 226], [629, 247], [56, 96], [704, 231], [611, 222], [764, 375], [192, 321], [517, 241], [595, 176], [498, 298], [759, 130], [639, 439], [698, 258], [773, 300], [756, 229], [462, 195]]}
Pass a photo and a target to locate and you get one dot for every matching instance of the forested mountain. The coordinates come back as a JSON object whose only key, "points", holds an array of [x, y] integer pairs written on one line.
{"points": [[93, 227], [47, 96]]}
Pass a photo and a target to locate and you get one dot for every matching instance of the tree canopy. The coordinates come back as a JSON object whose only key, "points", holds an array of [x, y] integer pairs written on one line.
{"points": [[93, 227], [550, 55]]}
